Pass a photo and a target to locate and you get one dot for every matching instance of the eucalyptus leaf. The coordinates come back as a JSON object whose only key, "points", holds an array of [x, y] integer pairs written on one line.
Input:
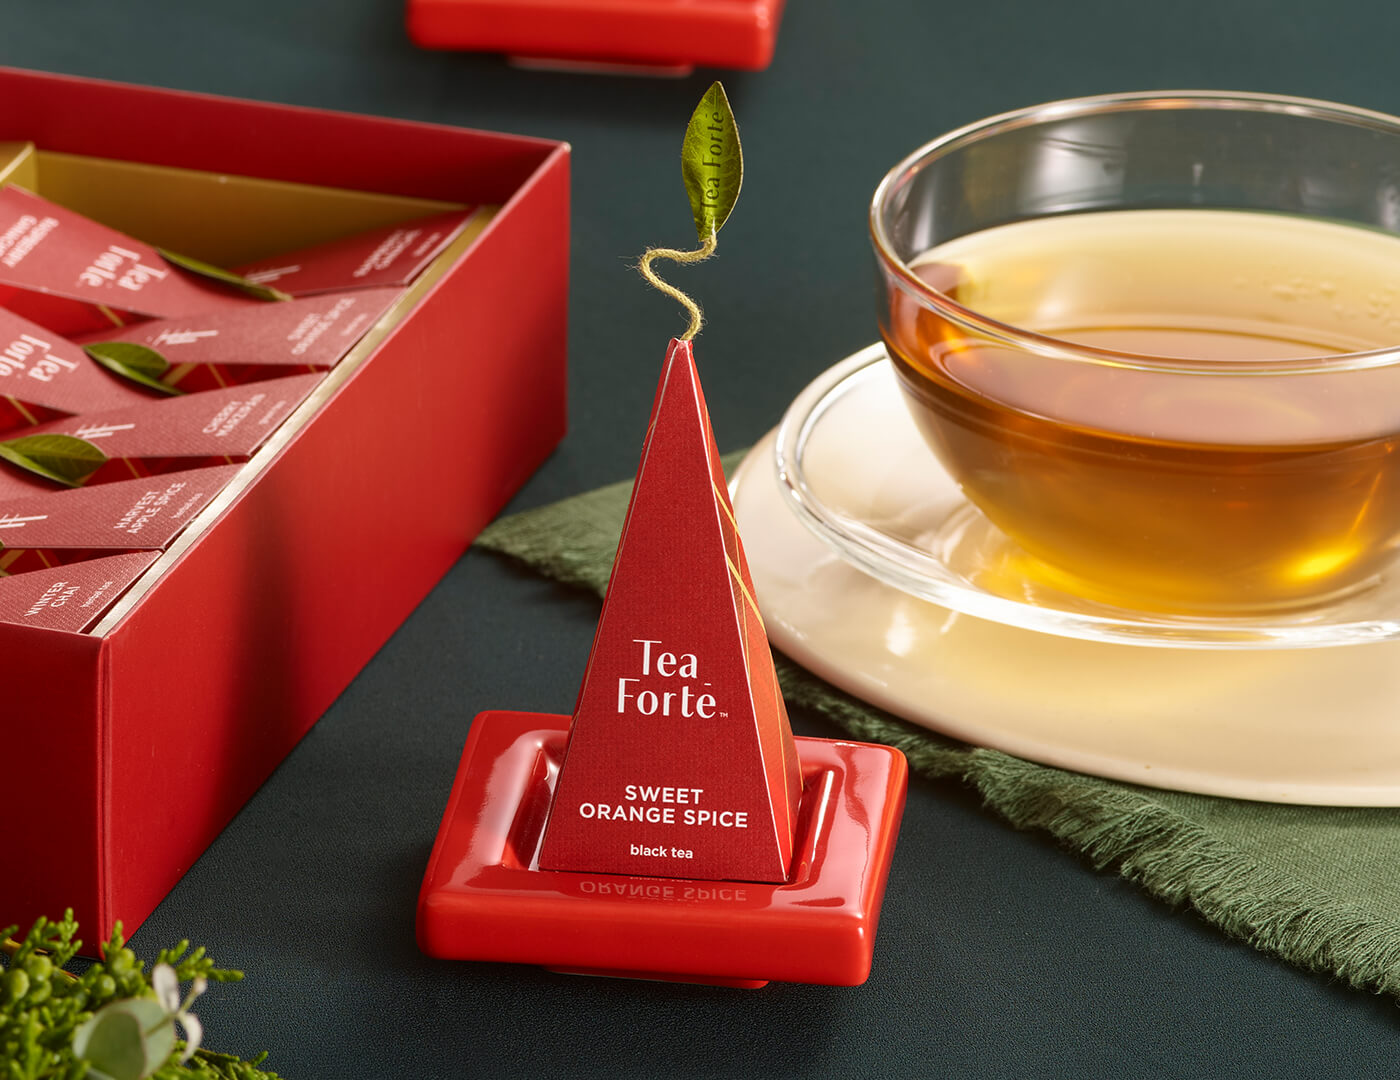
{"points": [[226, 277], [138, 363], [712, 162], [64, 458], [126, 1040]]}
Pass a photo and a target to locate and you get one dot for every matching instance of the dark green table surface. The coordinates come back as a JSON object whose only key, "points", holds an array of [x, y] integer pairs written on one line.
{"points": [[999, 955]]}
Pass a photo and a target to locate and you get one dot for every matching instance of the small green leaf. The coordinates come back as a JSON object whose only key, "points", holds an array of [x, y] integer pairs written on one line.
{"points": [[712, 162], [126, 1040], [226, 277], [132, 361], [64, 458]]}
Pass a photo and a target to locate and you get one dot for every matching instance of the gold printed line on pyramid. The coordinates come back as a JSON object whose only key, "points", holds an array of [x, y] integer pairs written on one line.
{"points": [[9, 557], [778, 702], [743, 623], [744, 642], [739, 580], [723, 504], [48, 565], [782, 748]]}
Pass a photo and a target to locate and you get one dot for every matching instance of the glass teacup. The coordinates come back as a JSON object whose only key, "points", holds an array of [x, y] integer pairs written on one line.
{"points": [[1156, 340]]}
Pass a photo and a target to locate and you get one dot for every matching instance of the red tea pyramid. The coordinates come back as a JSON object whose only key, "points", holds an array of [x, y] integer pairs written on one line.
{"points": [[680, 761], [70, 597]]}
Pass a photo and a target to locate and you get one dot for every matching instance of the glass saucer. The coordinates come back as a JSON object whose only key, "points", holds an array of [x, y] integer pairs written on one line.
{"points": [[853, 467]]}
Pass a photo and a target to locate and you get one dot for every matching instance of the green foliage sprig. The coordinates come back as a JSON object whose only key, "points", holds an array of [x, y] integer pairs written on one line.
{"points": [[115, 1020]]}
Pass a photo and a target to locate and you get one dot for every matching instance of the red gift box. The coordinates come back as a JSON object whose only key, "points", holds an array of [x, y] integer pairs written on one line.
{"points": [[168, 714]]}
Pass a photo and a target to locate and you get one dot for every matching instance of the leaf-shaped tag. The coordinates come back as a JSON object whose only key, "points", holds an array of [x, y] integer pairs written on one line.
{"points": [[64, 458], [712, 162], [126, 1040], [227, 277], [131, 361]]}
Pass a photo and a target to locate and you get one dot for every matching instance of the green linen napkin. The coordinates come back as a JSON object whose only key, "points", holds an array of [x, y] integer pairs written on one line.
{"points": [[1316, 886]]}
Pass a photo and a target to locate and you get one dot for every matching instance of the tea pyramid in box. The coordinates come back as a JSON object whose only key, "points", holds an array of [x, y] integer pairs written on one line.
{"points": [[680, 760]]}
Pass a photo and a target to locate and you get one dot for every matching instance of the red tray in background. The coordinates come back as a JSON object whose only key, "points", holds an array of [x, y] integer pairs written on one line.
{"points": [[676, 35]]}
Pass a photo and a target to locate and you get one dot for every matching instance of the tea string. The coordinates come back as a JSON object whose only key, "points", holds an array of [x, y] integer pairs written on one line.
{"points": [[703, 252]]}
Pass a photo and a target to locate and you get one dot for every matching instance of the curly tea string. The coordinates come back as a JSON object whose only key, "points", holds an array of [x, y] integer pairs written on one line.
{"points": [[703, 252]]}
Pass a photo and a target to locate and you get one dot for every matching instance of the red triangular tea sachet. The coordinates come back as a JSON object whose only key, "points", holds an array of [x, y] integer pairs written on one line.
{"points": [[680, 761], [389, 255], [71, 597], [196, 431], [227, 424], [142, 514], [44, 375], [246, 344], [51, 256]]}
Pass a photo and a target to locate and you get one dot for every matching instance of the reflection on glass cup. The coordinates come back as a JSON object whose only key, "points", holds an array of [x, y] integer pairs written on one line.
{"points": [[1156, 340]]}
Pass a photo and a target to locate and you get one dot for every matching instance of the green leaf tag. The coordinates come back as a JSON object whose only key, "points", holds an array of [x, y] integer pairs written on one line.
{"points": [[227, 277], [712, 162], [126, 1040], [63, 458], [132, 361]]}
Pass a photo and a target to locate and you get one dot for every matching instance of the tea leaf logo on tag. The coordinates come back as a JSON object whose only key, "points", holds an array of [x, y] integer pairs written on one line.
{"points": [[63, 458], [139, 363], [712, 166], [226, 277], [712, 162]]}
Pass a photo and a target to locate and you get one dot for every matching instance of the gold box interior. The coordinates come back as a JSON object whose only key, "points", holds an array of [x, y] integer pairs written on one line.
{"points": [[223, 219]]}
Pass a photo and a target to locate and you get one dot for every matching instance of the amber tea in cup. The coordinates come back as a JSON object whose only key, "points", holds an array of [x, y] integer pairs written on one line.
{"points": [[1154, 340]]}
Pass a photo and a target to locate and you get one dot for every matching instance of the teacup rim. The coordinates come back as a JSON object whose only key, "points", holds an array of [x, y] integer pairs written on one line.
{"points": [[1059, 348]]}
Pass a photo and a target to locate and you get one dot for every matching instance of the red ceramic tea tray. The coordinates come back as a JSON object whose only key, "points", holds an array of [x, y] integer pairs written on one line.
{"points": [[484, 896]]}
